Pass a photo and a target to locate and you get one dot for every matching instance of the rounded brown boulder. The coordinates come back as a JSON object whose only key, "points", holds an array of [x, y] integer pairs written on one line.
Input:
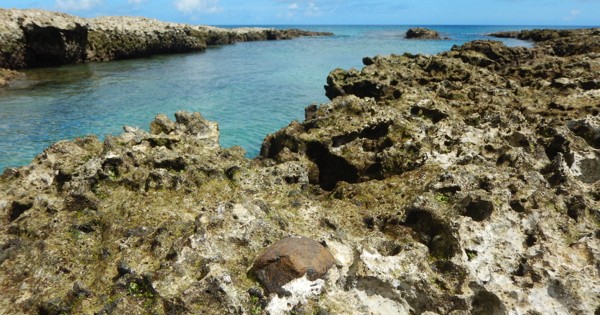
{"points": [[288, 259]]}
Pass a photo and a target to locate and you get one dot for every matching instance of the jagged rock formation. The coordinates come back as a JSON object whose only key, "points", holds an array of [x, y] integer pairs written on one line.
{"points": [[34, 38], [422, 33], [461, 183]]}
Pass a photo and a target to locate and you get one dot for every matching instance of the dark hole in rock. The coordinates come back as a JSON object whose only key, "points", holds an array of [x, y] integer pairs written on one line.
{"points": [[86, 227], [389, 248], [51, 46], [365, 88], [176, 164], [433, 232], [326, 222], [531, 239], [372, 132], [517, 206], [471, 254], [18, 208], [560, 144], [517, 139], [478, 208], [576, 207], [171, 255], [487, 303], [452, 189], [110, 168], [310, 111], [332, 168], [590, 85], [434, 115], [486, 184], [292, 179], [54, 306], [374, 171], [522, 269], [507, 158], [597, 311], [80, 201], [369, 222], [61, 178]]}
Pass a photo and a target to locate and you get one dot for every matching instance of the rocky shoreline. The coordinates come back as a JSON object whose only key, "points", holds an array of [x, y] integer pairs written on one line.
{"points": [[461, 183], [36, 38]]}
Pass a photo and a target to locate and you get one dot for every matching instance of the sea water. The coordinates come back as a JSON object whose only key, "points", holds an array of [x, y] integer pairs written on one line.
{"points": [[251, 89]]}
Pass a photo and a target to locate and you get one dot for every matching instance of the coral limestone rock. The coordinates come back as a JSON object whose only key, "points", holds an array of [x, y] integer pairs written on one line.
{"points": [[291, 258], [465, 182]]}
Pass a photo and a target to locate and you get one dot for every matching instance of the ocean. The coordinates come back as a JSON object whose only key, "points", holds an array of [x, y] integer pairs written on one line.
{"points": [[251, 89]]}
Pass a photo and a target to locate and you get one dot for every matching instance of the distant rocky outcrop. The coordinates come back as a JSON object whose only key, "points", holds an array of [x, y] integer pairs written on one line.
{"points": [[558, 42], [35, 38], [465, 182], [422, 33]]}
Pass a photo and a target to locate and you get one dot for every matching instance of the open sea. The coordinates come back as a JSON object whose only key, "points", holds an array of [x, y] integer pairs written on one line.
{"points": [[251, 89]]}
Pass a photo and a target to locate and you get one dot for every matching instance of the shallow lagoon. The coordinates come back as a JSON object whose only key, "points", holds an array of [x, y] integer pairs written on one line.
{"points": [[250, 89]]}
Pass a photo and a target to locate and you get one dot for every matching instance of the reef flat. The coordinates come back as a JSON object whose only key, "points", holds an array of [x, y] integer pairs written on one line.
{"points": [[460, 183], [37, 38]]}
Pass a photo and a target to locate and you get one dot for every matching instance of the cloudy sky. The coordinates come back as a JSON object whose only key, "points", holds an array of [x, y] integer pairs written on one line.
{"points": [[232, 12]]}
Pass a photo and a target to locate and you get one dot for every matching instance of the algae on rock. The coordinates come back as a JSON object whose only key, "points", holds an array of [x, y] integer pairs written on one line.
{"points": [[465, 182]]}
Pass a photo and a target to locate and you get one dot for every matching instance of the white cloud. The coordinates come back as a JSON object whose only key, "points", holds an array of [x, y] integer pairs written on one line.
{"points": [[312, 9], [77, 5], [135, 1], [199, 6], [573, 14], [293, 6]]}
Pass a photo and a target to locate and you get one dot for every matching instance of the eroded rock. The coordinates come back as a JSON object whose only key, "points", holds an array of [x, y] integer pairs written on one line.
{"points": [[464, 182]]}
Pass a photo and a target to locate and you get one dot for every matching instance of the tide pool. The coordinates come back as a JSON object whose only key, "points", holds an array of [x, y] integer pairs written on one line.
{"points": [[251, 89]]}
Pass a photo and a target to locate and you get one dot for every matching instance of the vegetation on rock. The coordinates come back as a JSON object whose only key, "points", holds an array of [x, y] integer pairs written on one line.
{"points": [[465, 182]]}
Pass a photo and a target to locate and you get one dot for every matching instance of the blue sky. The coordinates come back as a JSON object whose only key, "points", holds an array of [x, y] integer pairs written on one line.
{"points": [[228, 12]]}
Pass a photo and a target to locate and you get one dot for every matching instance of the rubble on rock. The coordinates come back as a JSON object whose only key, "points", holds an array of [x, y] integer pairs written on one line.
{"points": [[465, 182]]}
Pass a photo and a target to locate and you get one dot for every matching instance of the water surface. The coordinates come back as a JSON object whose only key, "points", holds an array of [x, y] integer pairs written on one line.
{"points": [[250, 89]]}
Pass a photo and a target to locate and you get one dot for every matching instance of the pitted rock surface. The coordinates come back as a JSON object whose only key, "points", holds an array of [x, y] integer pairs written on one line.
{"points": [[465, 182], [291, 258]]}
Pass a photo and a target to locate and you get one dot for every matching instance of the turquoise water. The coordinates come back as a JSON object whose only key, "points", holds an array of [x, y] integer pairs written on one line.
{"points": [[250, 89]]}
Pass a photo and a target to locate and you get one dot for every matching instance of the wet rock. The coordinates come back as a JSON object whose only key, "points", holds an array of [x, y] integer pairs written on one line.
{"points": [[289, 259], [422, 33]]}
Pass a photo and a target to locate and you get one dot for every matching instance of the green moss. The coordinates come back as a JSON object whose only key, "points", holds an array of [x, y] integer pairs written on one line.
{"points": [[255, 306], [441, 198]]}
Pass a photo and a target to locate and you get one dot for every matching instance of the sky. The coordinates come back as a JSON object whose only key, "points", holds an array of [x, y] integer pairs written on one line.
{"points": [[306, 12]]}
